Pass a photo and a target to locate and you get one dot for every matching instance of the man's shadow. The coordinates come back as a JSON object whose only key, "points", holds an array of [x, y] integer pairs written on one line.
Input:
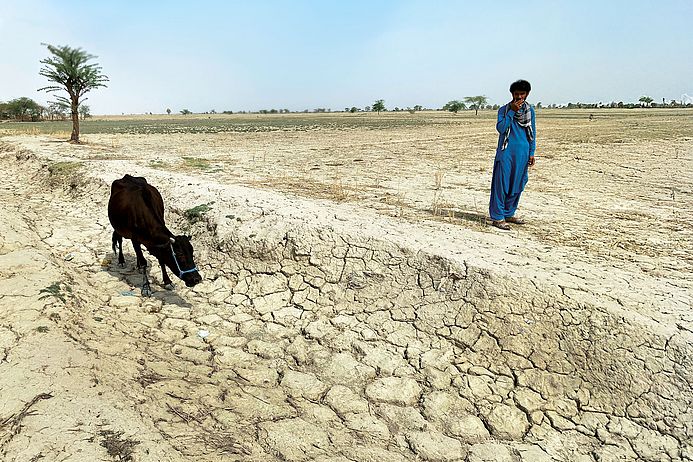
{"points": [[132, 276], [474, 217]]}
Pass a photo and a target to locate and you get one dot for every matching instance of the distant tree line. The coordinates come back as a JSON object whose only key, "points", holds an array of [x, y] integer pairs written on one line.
{"points": [[27, 110], [643, 102]]}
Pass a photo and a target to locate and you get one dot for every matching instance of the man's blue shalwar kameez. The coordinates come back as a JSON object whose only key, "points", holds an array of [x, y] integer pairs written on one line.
{"points": [[511, 164]]}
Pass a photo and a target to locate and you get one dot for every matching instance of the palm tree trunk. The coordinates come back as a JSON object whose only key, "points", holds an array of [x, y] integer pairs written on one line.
{"points": [[74, 106], [74, 138]]}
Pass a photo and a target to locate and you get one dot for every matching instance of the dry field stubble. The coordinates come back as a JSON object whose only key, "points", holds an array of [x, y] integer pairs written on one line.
{"points": [[614, 187], [612, 190]]}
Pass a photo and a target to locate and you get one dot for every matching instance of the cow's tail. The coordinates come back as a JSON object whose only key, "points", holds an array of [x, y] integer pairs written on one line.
{"points": [[116, 239]]}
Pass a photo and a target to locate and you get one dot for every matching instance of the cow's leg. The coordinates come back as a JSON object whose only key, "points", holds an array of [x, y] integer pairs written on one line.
{"points": [[117, 241], [168, 285], [142, 263]]}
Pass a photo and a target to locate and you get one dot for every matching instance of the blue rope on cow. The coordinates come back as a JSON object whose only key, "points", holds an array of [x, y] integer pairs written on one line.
{"points": [[181, 272]]}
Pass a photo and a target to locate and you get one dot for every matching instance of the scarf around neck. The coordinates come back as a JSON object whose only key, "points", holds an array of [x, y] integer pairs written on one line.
{"points": [[524, 119]]}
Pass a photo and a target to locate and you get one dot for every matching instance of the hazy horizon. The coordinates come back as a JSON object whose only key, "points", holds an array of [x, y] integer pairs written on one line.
{"points": [[243, 56]]}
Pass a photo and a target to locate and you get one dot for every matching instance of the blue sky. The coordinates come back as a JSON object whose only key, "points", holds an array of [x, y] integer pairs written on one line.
{"points": [[301, 54]]}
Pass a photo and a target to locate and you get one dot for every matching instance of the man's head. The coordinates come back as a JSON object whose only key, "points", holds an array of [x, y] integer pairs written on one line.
{"points": [[520, 90]]}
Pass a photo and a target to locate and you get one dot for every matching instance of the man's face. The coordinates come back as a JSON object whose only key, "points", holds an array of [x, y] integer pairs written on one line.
{"points": [[520, 96]]}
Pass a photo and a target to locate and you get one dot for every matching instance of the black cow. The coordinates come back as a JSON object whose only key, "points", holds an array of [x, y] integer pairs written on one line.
{"points": [[136, 212]]}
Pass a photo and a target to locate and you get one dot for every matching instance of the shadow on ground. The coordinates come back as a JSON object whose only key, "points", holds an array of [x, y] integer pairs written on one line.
{"points": [[131, 275]]}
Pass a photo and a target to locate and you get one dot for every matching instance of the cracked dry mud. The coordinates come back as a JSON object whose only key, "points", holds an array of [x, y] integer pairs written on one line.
{"points": [[330, 331]]}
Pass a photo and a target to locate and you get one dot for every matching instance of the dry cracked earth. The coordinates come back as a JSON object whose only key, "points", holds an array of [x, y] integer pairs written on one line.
{"points": [[323, 331]]}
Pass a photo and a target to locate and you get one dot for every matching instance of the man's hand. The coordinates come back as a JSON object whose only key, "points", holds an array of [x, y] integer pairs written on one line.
{"points": [[531, 161], [515, 105]]}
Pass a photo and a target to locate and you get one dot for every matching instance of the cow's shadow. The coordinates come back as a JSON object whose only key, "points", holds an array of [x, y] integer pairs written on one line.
{"points": [[133, 276]]}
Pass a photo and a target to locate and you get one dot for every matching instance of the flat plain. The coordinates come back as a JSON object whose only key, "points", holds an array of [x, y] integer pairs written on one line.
{"points": [[357, 305]]}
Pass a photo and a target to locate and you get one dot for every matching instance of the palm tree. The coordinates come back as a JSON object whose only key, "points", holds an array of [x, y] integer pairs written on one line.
{"points": [[646, 100], [68, 68]]}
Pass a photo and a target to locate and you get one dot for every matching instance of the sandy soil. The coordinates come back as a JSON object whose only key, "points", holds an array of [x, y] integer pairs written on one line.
{"points": [[92, 371]]}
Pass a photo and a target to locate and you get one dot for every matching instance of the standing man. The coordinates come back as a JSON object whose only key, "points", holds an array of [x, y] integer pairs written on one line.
{"points": [[514, 155]]}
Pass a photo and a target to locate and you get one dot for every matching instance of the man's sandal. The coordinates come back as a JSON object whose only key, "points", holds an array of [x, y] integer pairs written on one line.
{"points": [[501, 225], [515, 220]]}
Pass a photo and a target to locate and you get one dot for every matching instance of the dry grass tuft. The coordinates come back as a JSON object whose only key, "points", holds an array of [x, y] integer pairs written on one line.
{"points": [[62, 134], [438, 185], [12, 425], [65, 174], [336, 190], [119, 448]]}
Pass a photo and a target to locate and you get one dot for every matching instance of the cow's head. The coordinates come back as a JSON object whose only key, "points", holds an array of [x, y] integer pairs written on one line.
{"points": [[180, 260]]}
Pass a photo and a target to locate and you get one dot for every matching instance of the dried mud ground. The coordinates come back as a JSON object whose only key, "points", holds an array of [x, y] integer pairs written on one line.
{"points": [[356, 306]]}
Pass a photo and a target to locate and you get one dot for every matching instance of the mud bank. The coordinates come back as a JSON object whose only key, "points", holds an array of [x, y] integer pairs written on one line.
{"points": [[323, 332]]}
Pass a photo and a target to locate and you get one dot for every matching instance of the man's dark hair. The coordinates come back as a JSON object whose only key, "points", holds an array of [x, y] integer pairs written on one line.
{"points": [[520, 85]]}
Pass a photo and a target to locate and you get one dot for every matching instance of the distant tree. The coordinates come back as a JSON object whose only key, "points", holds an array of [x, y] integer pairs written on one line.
{"points": [[367, 109], [418, 107], [22, 108], [354, 109], [476, 102], [168, 111], [186, 112], [58, 109], [212, 111], [62, 109], [84, 111], [379, 105], [454, 106], [69, 69], [646, 100]]}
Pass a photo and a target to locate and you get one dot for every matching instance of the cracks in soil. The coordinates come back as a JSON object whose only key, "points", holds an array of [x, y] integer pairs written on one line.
{"points": [[491, 317]]}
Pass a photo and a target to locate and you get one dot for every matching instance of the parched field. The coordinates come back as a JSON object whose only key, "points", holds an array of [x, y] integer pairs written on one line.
{"points": [[356, 304], [614, 187]]}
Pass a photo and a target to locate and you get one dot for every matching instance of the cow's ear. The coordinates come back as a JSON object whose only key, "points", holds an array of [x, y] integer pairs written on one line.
{"points": [[173, 241], [189, 238]]}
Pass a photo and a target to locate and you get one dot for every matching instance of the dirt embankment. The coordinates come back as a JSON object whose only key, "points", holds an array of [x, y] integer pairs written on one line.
{"points": [[321, 332]]}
